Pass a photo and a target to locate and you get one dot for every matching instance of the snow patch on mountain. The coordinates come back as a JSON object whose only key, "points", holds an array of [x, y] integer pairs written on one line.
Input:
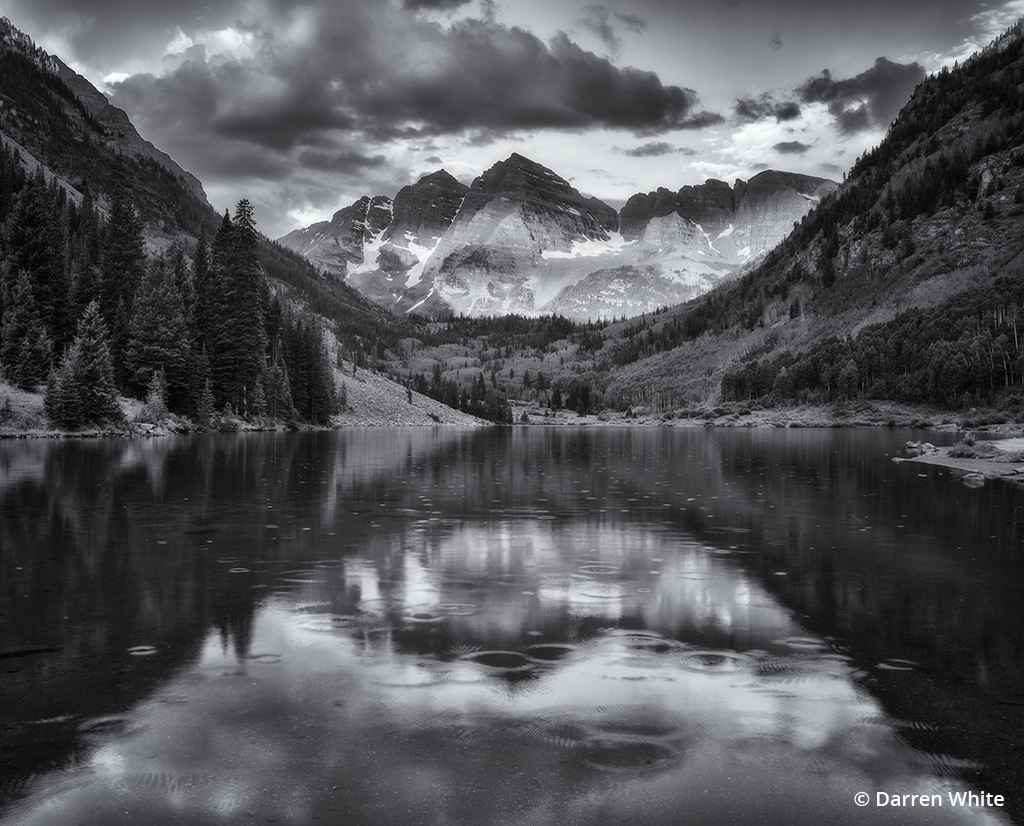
{"points": [[371, 248], [590, 247], [422, 254]]}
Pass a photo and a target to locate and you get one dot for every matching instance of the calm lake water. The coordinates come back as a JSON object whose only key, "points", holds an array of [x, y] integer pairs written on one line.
{"points": [[505, 626]]}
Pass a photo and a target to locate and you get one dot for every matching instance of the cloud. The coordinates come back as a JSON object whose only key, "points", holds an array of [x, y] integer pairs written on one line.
{"points": [[433, 159], [341, 161], [603, 21], [311, 69], [791, 148], [655, 149], [869, 100], [751, 109], [433, 5]]}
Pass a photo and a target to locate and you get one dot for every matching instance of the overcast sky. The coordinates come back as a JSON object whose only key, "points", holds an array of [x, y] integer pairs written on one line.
{"points": [[302, 106]]}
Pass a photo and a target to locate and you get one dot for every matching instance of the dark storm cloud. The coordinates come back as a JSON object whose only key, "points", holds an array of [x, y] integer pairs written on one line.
{"points": [[102, 33], [367, 72], [868, 100], [655, 149], [787, 110], [434, 5], [506, 79], [791, 148], [751, 110], [604, 22], [700, 120], [344, 161], [229, 160]]}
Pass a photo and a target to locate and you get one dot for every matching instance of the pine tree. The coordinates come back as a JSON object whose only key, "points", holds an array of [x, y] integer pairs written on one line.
{"points": [[248, 314], [155, 408], [25, 347], [205, 409], [35, 246], [61, 401], [278, 392], [123, 271], [159, 339], [35, 359], [237, 299], [81, 391]]}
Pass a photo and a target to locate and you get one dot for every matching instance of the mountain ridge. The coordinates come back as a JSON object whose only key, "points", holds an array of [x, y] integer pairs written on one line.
{"points": [[523, 240]]}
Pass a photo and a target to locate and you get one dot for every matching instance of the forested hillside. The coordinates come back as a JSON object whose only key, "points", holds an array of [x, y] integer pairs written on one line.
{"points": [[83, 307], [201, 314], [904, 284]]}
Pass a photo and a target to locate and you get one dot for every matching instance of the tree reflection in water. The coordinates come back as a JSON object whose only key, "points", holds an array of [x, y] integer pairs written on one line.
{"points": [[529, 625]]}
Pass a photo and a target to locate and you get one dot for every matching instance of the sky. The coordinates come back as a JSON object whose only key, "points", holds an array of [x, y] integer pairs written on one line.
{"points": [[303, 106]]}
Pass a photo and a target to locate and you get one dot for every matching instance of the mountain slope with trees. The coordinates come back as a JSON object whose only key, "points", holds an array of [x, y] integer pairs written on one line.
{"points": [[904, 284], [105, 248]]}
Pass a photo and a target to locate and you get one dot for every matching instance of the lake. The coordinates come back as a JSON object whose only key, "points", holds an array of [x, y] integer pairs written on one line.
{"points": [[506, 626]]}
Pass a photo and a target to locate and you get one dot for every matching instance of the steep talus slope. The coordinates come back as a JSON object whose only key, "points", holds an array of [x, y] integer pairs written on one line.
{"points": [[905, 283]]}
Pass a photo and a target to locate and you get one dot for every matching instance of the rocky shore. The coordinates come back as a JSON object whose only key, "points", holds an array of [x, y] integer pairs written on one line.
{"points": [[979, 461], [853, 414]]}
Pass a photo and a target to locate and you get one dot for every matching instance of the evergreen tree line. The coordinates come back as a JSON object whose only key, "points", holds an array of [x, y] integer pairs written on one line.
{"points": [[966, 351], [476, 399], [84, 309]]}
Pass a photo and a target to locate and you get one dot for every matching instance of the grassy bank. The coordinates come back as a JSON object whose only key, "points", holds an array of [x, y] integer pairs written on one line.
{"points": [[371, 400]]}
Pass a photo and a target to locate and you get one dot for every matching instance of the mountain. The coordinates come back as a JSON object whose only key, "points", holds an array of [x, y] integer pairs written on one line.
{"points": [[743, 221], [905, 283], [522, 240], [92, 213], [55, 117], [334, 245]]}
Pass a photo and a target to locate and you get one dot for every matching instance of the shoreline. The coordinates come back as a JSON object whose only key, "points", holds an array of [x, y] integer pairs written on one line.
{"points": [[998, 459], [859, 414], [375, 402]]}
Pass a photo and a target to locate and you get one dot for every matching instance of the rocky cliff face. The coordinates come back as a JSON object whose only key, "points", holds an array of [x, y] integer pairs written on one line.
{"points": [[491, 260], [380, 246], [742, 221], [426, 208], [337, 244], [521, 239]]}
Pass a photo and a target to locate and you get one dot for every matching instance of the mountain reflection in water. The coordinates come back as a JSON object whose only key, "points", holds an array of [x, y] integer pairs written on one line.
{"points": [[530, 626]]}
